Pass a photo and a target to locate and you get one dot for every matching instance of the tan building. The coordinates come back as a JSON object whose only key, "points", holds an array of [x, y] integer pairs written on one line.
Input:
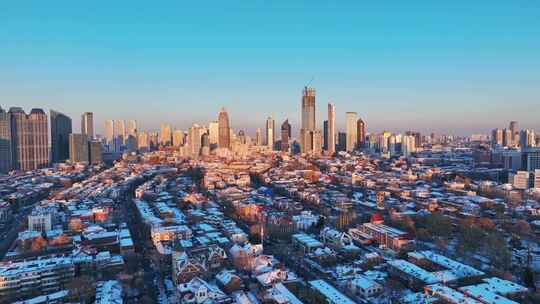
{"points": [[331, 136], [78, 148], [351, 130], [30, 137]]}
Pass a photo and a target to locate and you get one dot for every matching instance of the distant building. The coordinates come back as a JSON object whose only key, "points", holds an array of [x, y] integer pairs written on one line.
{"points": [[96, 152], [178, 138], [258, 137], [530, 159], [331, 130], [308, 120], [270, 136], [285, 135], [361, 132], [521, 180], [5, 141], [60, 130], [78, 148], [30, 139], [351, 131], [497, 137], [527, 138], [109, 135], [165, 134], [120, 135], [224, 139], [87, 124], [408, 146], [213, 134]]}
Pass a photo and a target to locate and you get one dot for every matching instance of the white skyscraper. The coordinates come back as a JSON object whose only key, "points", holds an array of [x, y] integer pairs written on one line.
{"points": [[270, 133]]}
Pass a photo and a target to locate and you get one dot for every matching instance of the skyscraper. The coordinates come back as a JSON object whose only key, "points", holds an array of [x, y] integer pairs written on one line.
{"points": [[497, 137], [120, 134], [30, 139], [178, 138], [514, 128], [270, 133], [87, 124], [5, 141], [110, 135], [165, 134], [60, 130], [131, 140], [527, 138], [195, 140], [351, 131], [213, 134], [508, 138], [143, 141], [285, 135], [308, 108], [308, 120], [331, 136], [361, 132], [224, 139], [78, 148], [258, 137], [96, 153], [325, 135], [408, 145]]}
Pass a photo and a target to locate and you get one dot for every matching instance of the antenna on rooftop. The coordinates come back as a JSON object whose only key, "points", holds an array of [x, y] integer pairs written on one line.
{"points": [[310, 81]]}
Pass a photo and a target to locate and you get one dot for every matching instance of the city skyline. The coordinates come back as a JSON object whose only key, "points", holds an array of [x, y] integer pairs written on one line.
{"points": [[483, 73]]}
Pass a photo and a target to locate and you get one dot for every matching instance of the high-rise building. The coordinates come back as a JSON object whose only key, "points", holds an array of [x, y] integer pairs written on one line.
{"points": [[165, 134], [331, 130], [361, 132], [285, 135], [317, 142], [87, 124], [530, 159], [178, 138], [408, 145], [258, 137], [536, 183], [96, 152], [308, 109], [308, 120], [514, 128], [325, 135], [143, 141], [351, 131], [5, 142], [60, 130], [110, 135], [30, 139], [497, 137], [78, 148], [270, 133], [195, 140], [527, 138], [508, 138], [342, 141], [224, 139], [120, 135], [131, 138], [213, 134]]}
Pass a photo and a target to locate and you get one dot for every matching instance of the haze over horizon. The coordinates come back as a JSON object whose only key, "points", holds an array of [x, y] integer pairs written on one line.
{"points": [[453, 68]]}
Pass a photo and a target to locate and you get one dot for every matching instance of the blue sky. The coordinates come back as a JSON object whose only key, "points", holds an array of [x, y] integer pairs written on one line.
{"points": [[457, 67]]}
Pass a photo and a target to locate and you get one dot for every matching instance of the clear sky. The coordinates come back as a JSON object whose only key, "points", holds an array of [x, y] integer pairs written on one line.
{"points": [[448, 66]]}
